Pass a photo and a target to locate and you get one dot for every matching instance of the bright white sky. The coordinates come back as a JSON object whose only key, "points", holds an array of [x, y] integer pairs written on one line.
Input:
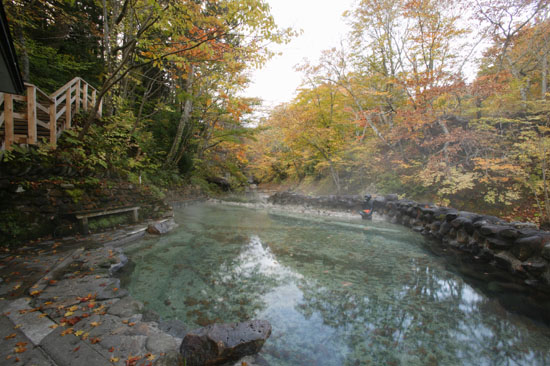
{"points": [[323, 27]]}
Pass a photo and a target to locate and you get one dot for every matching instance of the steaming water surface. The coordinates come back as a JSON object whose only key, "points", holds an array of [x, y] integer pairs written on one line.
{"points": [[337, 292]]}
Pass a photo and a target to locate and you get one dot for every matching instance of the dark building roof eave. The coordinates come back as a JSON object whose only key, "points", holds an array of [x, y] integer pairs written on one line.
{"points": [[12, 81]]}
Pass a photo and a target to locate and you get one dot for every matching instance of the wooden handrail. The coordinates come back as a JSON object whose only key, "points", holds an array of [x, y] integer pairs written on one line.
{"points": [[19, 115], [64, 88]]}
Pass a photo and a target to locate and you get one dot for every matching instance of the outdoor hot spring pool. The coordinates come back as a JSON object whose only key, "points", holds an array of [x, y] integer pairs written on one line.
{"points": [[336, 291]]}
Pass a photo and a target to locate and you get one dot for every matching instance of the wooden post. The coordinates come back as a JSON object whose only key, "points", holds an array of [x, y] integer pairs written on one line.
{"points": [[84, 226], [135, 216], [53, 124], [31, 115], [68, 108], [8, 120], [85, 97], [94, 97], [77, 100]]}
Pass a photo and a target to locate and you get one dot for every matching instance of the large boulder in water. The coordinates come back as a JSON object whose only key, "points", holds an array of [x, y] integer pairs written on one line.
{"points": [[161, 227], [217, 344]]}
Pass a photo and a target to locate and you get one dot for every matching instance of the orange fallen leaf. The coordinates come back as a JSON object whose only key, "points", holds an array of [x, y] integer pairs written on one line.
{"points": [[95, 324], [112, 349], [13, 335], [67, 331], [125, 321], [150, 356], [114, 359], [35, 293], [95, 340], [20, 347], [17, 326], [132, 361], [115, 289], [53, 326]]}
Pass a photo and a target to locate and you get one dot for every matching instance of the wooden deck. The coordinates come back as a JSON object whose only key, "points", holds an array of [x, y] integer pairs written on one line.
{"points": [[36, 116]]}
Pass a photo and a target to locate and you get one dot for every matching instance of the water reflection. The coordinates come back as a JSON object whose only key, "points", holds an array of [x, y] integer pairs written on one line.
{"points": [[334, 295]]}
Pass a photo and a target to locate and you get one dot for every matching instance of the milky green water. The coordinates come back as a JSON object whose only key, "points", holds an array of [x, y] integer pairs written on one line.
{"points": [[337, 292]]}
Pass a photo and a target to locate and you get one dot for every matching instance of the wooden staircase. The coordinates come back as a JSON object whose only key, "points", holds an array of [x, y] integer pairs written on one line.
{"points": [[36, 116]]}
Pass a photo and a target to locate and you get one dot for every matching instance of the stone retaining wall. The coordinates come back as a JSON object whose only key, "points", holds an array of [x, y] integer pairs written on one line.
{"points": [[32, 210], [518, 248]]}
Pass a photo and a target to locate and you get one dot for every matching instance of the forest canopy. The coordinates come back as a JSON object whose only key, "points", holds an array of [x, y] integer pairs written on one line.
{"points": [[442, 101]]}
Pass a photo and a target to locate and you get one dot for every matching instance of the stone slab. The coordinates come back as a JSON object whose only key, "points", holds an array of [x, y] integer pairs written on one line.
{"points": [[10, 337], [69, 350], [35, 325]]}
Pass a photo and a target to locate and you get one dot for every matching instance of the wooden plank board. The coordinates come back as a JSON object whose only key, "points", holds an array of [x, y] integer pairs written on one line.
{"points": [[53, 127], [85, 97], [60, 113], [106, 212], [61, 90], [61, 99], [42, 108], [31, 115], [68, 109], [78, 93], [8, 121], [21, 116], [42, 124]]}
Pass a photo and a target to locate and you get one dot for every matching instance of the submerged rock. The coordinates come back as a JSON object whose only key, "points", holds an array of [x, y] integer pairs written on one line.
{"points": [[220, 343]]}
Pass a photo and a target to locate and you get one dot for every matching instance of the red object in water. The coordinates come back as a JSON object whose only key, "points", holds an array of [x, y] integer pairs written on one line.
{"points": [[366, 211]]}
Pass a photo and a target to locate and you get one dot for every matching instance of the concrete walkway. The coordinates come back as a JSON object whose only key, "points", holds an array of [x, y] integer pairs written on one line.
{"points": [[60, 305]]}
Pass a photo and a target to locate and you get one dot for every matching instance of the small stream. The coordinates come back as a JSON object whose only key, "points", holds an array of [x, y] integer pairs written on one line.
{"points": [[337, 291]]}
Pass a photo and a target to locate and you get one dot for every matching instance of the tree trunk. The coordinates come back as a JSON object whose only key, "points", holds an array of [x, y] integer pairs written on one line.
{"points": [[544, 71], [184, 119], [24, 56]]}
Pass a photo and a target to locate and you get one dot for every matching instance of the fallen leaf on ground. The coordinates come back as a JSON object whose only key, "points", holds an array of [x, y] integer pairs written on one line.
{"points": [[20, 347], [67, 331], [112, 349], [95, 324], [95, 340], [132, 361], [13, 335], [76, 349], [114, 359], [78, 333]]}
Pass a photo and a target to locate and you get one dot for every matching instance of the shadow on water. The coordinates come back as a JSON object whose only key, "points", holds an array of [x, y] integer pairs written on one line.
{"points": [[337, 292]]}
